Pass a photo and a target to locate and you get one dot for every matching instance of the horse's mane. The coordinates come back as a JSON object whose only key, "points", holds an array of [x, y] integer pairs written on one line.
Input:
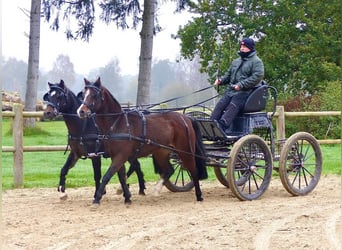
{"points": [[75, 99], [108, 93]]}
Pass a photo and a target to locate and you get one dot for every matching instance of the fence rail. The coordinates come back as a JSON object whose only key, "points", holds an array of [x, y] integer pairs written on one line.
{"points": [[18, 147]]}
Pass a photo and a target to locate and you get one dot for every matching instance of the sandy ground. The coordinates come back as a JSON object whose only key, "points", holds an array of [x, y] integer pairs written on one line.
{"points": [[38, 219]]}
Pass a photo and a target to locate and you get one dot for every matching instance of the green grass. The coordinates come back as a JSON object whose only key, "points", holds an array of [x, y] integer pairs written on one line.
{"points": [[41, 169], [331, 159]]}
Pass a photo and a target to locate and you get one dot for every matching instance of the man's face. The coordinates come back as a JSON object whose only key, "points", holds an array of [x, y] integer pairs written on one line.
{"points": [[243, 48]]}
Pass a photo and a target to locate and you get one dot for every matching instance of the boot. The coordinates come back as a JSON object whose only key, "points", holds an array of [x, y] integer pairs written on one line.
{"points": [[229, 115]]}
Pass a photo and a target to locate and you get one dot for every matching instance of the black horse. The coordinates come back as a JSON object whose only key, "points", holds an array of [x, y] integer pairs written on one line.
{"points": [[83, 136]]}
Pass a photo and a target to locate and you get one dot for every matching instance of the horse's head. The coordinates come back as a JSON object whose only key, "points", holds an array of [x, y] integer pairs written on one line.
{"points": [[92, 98], [56, 99]]}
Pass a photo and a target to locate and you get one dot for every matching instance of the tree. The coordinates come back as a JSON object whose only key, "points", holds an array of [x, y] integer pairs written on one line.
{"points": [[14, 73], [299, 41], [145, 58], [119, 12], [110, 76], [33, 62], [163, 74], [62, 69]]}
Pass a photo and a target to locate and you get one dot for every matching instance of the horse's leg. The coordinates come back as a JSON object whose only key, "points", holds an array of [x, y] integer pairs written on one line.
{"points": [[197, 189], [165, 169], [96, 161], [124, 186], [135, 166], [106, 178], [190, 164], [70, 162]]}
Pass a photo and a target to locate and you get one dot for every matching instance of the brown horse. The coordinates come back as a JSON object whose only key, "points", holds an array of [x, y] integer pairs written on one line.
{"points": [[130, 133], [82, 136]]}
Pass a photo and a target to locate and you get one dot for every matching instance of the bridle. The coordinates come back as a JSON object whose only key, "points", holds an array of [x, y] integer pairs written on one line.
{"points": [[58, 105], [95, 97]]}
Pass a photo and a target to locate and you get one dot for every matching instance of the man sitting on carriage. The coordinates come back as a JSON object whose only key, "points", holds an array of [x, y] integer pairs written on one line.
{"points": [[243, 75]]}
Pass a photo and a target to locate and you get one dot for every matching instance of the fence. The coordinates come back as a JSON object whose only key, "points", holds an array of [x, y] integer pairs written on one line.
{"points": [[18, 147]]}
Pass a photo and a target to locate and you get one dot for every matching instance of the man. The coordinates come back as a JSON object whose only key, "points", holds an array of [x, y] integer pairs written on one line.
{"points": [[244, 73]]}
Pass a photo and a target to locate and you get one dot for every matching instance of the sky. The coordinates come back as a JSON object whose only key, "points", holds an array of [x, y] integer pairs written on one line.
{"points": [[106, 43]]}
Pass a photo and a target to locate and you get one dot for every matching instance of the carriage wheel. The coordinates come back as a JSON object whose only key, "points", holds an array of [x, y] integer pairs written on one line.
{"points": [[181, 180], [300, 164], [221, 175], [249, 167]]}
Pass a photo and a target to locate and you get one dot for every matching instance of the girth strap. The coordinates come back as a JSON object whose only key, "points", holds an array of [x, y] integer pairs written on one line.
{"points": [[143, 136]]}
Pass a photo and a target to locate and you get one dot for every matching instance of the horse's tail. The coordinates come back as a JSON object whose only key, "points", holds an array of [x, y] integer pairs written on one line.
{"points": [[200, 153], [157, 167]]}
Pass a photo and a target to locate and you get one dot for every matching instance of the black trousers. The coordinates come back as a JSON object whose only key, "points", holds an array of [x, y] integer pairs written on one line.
{"points": [[228, 108]]}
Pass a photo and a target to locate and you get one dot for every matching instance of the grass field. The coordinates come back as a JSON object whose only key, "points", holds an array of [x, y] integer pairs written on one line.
{"points": [[41, 169]]}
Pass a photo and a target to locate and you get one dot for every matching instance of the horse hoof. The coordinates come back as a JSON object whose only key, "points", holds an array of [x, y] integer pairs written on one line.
{"points": [[61, 189], [142, 193], [128, 203], [96, 201], [200, 199], [63, 196], [119, 191], [94, 206]]}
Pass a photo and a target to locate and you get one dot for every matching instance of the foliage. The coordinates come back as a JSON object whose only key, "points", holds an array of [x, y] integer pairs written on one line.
{"points": [[164, 73], [13, 74], [329, 99], [110, 76], [119, 12], [62, 67], [299, 41]]}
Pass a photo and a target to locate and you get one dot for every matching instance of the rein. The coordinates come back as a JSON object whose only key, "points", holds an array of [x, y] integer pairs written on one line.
{"points": [[148, 106], [126, 136]]}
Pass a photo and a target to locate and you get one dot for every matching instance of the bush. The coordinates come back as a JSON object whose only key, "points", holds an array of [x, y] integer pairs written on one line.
{"points": [[329, 99]]}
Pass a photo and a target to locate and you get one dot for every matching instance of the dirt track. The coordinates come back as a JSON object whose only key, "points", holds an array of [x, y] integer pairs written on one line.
{"points": [[38, 219]]}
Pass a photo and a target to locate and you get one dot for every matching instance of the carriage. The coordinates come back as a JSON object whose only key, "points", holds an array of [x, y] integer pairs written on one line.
{"points": [[244, 157]]}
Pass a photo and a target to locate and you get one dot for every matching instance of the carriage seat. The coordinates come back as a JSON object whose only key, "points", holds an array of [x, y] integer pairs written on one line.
{"points": [[257, 99], [253, 115]]}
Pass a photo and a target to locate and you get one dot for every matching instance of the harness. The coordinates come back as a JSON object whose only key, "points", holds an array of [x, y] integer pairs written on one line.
{"points": [[84, 137], [141, 139]]}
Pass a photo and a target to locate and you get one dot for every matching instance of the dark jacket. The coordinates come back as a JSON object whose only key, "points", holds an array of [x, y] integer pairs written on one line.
{"points": [[246, 72]]}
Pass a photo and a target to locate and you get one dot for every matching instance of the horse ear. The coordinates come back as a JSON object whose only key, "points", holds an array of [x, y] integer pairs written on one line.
{"points": [[86, 82], [98, 82], [61, 83], [80, 96], [50, 84]]}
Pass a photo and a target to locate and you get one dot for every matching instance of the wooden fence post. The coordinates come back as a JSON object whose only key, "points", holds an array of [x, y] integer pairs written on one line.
{"points": [[18, 126], [281, 125]]}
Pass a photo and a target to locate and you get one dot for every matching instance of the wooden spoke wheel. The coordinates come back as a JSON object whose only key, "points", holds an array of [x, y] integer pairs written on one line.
{"points": [[181, 180], [249, 167], [300, 164]]}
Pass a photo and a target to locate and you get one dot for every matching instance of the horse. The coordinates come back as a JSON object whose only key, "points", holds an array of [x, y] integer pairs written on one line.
{"points": [[131, 133], [82, 136]]}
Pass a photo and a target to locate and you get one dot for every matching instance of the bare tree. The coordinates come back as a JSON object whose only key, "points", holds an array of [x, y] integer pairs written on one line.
{"points": [[63, 68], [145, 59], [33, 62]]}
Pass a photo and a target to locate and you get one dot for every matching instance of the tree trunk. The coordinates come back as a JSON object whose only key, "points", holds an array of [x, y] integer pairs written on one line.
{"points": [[33, 62], [145, 59]]}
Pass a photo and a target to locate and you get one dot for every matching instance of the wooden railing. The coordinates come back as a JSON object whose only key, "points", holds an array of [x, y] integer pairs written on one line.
{"points": [[18, 147]]}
